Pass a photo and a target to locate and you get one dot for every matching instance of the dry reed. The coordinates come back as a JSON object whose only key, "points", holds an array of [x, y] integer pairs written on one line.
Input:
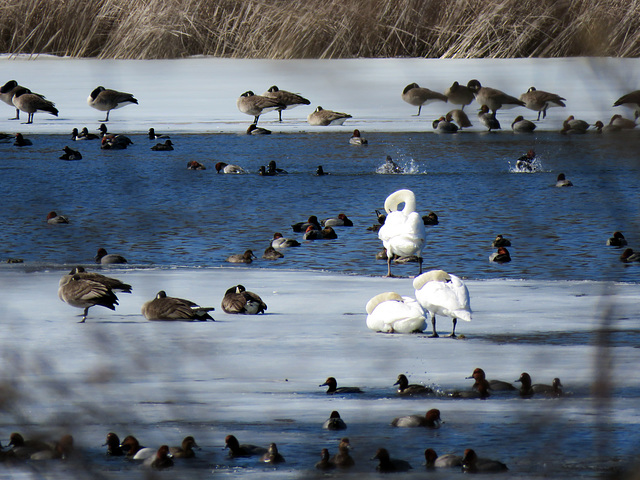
{"points": [[145, 29]]}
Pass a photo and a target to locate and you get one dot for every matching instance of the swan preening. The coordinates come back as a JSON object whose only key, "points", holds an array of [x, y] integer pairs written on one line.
{"points": [[403, 233], [389, 312], [441, 293]]}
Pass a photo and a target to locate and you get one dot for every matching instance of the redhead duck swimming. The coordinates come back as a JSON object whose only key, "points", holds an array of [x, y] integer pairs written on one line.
{"points": [[387, 464], [609, 128], [617, 240], [113, 445], [472, 464], [163, 307], [539, 101], [152, 135], [501, 256], [60, 450], [573, 126], [496, 385], [562, 181], [104, 258], [30, 103], [442, 125], [553, 390], [23, 449], [403, 233], [105, 100], [480, 390], [131, 446], [500, 241], [111, 141], [404, 388], [524, 162], [21, 141], [322, 117], [459, 95], [629, 256], [288, 100], [521, 125], [525, 380], [357, 138], [271, 253], [163, 147], [253, 129], [389, 312], [302, 226], [185, 450], [430, 219], [161, 460], [281, 242], [325, 463], [332, 383], [272, 455], [444, 461], [488, 119], [327, 233], [442, 293], [244, 450], [246, 257], [430, 420], [194, 165], [340, 221], [624, 123], [53, 218], [222, 167], [418, 96], [343, 458], [334, 422], [70, 154], [84, 293], [256, 105], [238, 300], [493, 98], [109, 282]]}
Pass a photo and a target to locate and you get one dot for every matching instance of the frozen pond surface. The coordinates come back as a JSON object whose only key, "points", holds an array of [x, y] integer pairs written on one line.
{"points": [[547, 313]]}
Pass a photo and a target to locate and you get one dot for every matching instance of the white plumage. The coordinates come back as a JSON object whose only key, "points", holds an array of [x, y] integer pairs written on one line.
{"points": [[390, 312], [441, 293]]}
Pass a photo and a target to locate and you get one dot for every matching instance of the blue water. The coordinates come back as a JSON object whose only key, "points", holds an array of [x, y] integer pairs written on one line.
{"points": [[148, 207]]}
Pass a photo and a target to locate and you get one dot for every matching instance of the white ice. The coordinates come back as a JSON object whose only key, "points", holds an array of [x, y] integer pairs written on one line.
{"points": [[199, 94]]}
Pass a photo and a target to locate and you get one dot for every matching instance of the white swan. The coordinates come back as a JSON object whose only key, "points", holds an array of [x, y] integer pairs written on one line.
{"points": [[391, 313], [403, 233], [444, 294]]}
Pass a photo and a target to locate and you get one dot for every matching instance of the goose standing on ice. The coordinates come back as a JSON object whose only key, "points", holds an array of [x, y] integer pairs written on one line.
{"points": [[7, 92], [85, 293], [403, 233], [389, 312], [105, 100], [288, 100], [30, 103], [441, 293], [256, 105], [418, 96], [539, 101]]}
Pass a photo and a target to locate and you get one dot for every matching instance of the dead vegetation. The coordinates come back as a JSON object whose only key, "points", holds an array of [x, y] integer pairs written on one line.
{"points": [[283, 29]]}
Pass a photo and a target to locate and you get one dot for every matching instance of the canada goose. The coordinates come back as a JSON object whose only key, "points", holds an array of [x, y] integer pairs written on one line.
{"points": [[238, 300], [459, 117], [492, 98], [459, 95], [6, 95], [287, 99], [70, 154], [322, 117], [631, 100], [539, 101], [105, 100], [488, 119], [109, 282], [418, 96], [31, 103], [84, 293], [171, 308], [520, 125], [256, 105]]}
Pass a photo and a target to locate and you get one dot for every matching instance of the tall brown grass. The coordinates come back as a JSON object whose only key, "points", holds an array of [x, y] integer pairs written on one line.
{"points": [[321, 29]]}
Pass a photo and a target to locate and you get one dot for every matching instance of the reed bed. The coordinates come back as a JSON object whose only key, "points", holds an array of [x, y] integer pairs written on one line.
{"points": [[287, 29]]}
